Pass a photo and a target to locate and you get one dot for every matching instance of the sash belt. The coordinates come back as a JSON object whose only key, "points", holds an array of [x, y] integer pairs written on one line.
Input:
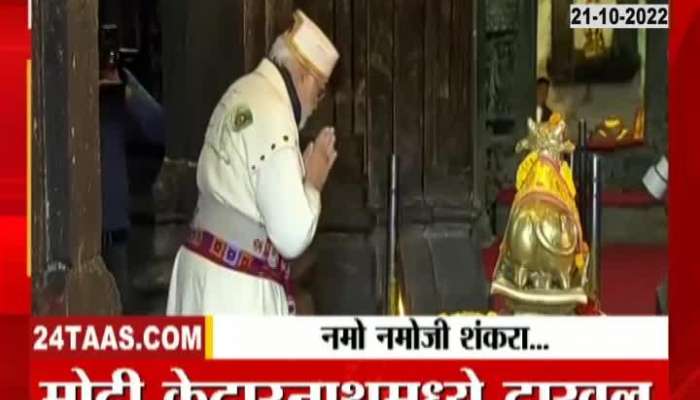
{"points": [[232, 257]]}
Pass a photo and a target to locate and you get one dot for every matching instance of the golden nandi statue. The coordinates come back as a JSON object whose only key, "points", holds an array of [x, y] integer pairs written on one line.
{"points": [[543, 257]]}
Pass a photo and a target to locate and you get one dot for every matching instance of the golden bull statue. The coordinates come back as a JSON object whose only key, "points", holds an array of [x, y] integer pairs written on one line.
{"points": [[543, 257]]}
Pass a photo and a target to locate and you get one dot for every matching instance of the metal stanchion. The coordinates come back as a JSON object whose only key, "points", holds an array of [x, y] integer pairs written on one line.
{"points": [[577, 163], [594, 224], [391, 289], [581, 175]]}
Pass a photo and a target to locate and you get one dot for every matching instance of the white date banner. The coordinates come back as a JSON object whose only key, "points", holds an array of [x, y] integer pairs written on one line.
{"points": [[619, 16], [595, 338]]}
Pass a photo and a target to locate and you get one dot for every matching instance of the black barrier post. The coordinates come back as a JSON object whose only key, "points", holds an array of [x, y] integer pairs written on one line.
{"points": [[581, 175]]}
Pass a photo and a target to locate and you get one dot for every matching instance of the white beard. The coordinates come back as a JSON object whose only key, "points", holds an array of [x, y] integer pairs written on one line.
{"points": [[304, 118]]}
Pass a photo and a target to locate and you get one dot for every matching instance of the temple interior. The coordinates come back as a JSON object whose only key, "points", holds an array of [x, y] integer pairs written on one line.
{"points": [[445, 86]]}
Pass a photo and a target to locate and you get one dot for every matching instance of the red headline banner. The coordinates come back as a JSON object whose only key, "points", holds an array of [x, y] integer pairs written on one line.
{"points": [[343, 379]]}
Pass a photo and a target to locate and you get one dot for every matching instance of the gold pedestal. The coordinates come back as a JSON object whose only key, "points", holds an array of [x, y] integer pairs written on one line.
{"points": [[541, 302]]}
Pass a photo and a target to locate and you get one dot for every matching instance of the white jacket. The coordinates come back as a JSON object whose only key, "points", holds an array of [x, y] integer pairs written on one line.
{"points": [[251, 181]]}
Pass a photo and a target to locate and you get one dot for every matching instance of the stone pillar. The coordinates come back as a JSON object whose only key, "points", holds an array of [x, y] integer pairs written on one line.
{"points": [[69, 275]]}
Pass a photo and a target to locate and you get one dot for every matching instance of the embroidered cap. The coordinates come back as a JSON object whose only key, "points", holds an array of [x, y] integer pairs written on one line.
{"points": [[313, 48]]}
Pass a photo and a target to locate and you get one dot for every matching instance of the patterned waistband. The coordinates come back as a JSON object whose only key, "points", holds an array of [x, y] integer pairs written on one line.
{"points": [[230, 256]]}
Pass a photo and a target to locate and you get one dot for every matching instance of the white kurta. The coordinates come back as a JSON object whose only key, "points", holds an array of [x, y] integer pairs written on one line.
{"points": [[251, 184]]}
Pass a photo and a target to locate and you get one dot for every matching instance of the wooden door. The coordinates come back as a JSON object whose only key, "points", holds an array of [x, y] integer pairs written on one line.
{"points": [[404, 82]]}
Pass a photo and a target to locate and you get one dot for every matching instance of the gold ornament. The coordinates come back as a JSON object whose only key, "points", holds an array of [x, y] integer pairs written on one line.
{"points": [[543, 258]]}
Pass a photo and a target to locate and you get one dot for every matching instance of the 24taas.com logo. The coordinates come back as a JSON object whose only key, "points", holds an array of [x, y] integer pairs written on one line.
{"points": [[67, 337]]}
